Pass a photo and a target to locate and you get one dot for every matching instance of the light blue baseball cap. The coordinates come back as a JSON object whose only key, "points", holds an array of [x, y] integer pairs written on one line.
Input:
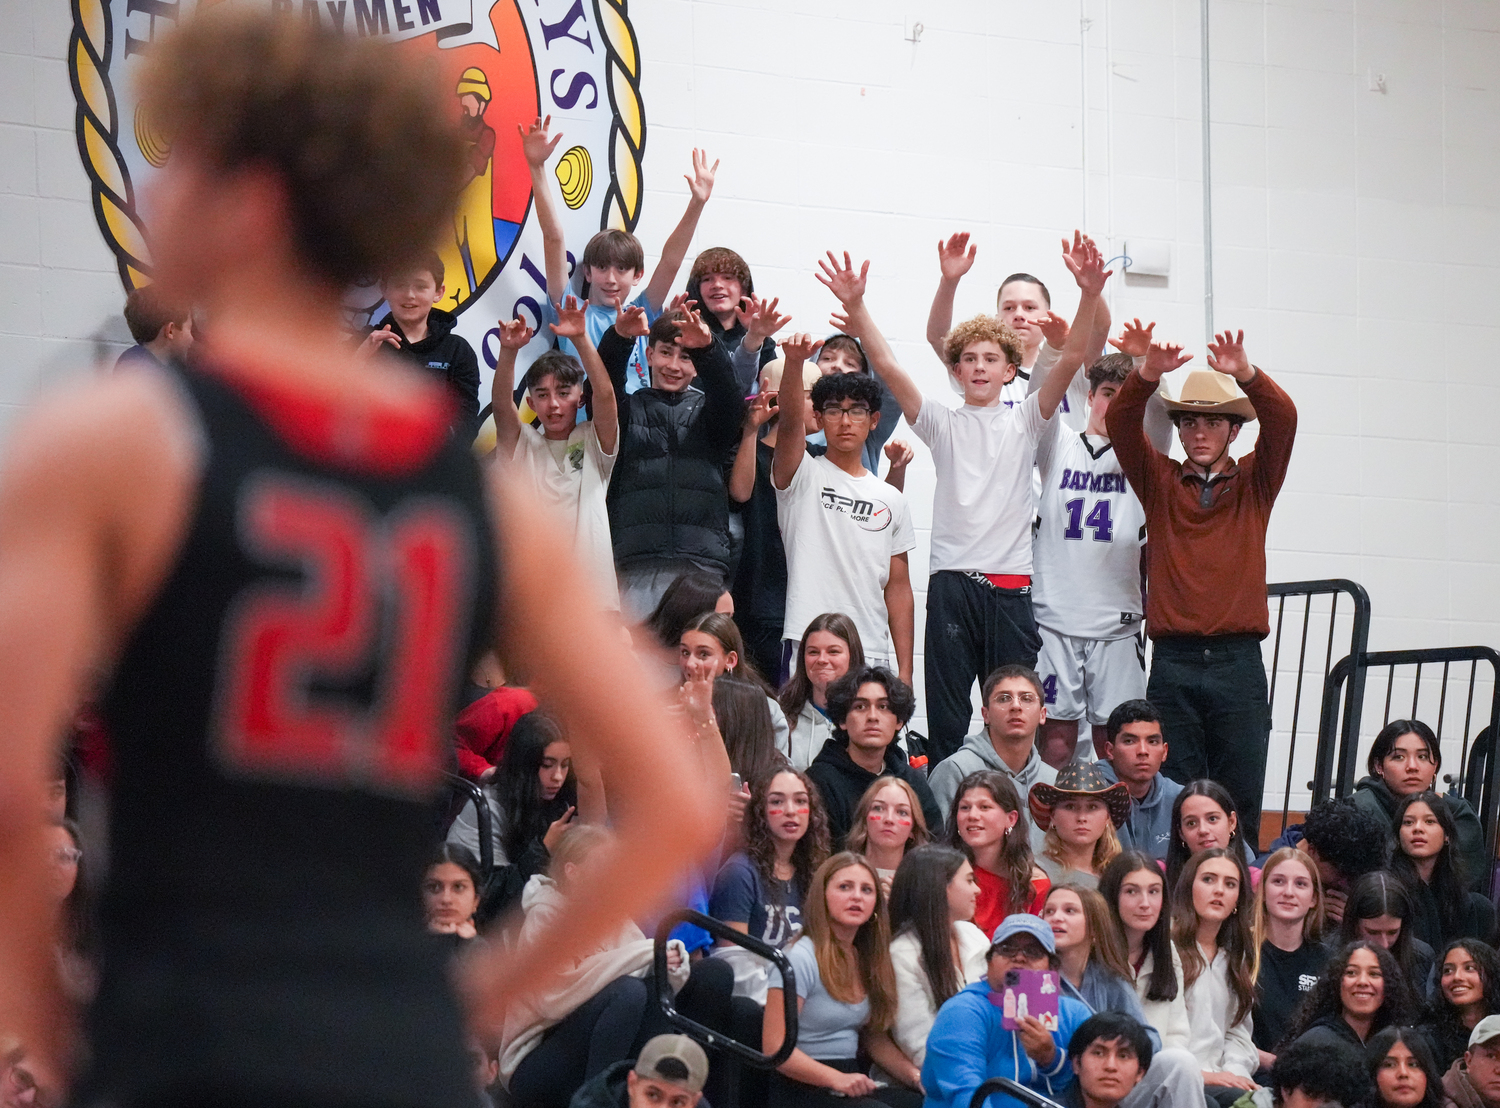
{"points": [[1023, 924]]}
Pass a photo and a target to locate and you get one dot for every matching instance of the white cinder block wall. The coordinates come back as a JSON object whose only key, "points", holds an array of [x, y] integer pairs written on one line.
{"points": [[1356, 222]]}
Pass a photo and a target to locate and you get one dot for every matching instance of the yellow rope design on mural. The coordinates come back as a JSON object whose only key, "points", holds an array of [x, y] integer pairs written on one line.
{"points": [[627, 132], [98, 131]]}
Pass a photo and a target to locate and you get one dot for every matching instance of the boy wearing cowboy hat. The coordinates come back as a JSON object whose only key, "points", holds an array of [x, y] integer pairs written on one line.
{"points": [[1206, 585]]}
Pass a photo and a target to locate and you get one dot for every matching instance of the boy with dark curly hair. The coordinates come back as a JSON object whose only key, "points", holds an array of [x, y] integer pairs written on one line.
{"points": [[868, 706]]}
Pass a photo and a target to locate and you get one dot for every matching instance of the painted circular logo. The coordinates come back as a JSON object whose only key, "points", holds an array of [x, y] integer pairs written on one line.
{"points": [[507, 61]]}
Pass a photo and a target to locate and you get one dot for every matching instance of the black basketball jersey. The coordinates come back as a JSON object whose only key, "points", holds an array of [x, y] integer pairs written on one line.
{"points": [[279, 723]]}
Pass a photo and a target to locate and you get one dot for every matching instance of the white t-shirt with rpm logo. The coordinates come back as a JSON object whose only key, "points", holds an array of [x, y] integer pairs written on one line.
{"points": [[840, 534]]}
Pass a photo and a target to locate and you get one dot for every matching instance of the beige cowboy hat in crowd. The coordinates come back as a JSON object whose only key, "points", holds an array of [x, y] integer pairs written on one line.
{"points": [[1209, 392]]}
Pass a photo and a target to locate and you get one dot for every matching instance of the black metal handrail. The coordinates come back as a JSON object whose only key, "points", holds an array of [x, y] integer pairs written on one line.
{"points": [[464, 789], [721, 930], [1359, 637], [1479, 769], [1011, 1088]]}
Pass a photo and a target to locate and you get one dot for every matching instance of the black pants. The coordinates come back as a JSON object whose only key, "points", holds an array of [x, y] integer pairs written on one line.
{"points": [[763, 644], [594, 1036], [786, 1093], [1215, 715], [972, 629]]}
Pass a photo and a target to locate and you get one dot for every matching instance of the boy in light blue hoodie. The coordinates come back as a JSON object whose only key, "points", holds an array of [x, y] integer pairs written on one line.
{"points": [[968, 1044]]}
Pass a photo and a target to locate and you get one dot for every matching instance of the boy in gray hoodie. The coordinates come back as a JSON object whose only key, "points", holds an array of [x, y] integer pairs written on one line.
{"points": [[1134, 749], [1012, 711]]}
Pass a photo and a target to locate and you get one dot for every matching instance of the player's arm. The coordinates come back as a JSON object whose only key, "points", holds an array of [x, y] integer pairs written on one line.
{"points": [[514, 334], [701, 186], [901, 611], [85, 537], [537, 145], [791, 403], [723, 400], [665, 821], [955, 257], [572, 325], [1088, 270], [841, 280]]}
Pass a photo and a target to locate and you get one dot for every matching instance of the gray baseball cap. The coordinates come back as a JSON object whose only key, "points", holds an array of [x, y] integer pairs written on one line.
{"points": [[675, 1059], [1485, 1030], [1023, 924]]}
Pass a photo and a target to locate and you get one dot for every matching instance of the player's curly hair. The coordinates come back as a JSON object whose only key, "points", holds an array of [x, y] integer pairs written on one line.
{"points": [[983, 328], [368, 148]]}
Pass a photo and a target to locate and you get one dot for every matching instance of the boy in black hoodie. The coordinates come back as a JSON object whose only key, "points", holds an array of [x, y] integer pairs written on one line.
{"points": [[867, 706], [668, 502], [423, 335]]}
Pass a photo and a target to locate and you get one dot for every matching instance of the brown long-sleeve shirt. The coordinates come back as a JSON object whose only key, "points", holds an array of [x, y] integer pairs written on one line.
{"points": [[1207, 567]]}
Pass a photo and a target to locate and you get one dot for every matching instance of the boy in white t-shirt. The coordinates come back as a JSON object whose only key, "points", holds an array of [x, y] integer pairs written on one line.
{"points": [[979, 613], [846, 531], [569, 463]]}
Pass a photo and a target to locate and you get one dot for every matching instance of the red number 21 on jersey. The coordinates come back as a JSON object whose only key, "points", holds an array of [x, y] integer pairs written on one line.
{"points": [[377, 593]]}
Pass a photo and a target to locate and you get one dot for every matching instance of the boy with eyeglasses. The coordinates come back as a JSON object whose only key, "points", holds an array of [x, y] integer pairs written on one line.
{"points": [[979, 612], [846, 531]]}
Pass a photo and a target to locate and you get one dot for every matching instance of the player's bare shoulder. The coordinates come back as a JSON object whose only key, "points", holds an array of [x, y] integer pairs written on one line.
{"points": [[114, 462]]}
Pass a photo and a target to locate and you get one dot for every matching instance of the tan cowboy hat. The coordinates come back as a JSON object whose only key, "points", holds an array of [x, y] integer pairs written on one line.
{"points": [[1209, 392], [1079, 779]]}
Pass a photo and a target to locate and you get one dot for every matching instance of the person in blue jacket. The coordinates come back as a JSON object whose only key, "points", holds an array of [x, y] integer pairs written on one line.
{"points": [[968, 1045]]}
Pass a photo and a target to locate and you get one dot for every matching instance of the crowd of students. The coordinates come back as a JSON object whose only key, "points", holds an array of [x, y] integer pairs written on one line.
{"points": [[723, 488]]}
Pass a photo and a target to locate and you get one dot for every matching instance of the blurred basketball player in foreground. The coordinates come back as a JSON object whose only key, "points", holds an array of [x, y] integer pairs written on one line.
{"points": [[286, 566]]}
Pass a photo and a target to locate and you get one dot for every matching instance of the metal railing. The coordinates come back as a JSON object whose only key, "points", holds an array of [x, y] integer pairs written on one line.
{"points": [[707, 1035], [1318, 621], [1409, 693], [462, 791]]}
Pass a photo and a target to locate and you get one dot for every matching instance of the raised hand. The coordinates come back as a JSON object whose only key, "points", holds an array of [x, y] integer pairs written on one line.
{"points": [[1134, 340], [762, 409], [515, 333], [696, 695], [1075, 253], [1163, 358], [798, 349], [701, 180], [956, 256], [900, 453], [1086, 265], [536, 144], [841, 280], [384, 336], [695, 333], [632, 323], [1054, 329], [570, 319], [761, 319], [1227, 354]]}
